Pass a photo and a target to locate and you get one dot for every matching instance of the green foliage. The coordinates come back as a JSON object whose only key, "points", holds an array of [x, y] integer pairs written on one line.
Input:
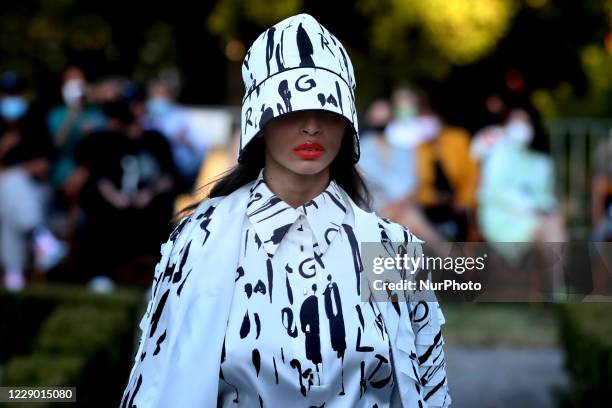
{"points": [[85, 341], [465, 31], [423, 41], [427, 37], [81, 330], [586, 333], [157, 53], [46, 31], [228, 14], [21, 314], [562, 101], [515, 324], [43, 370]]}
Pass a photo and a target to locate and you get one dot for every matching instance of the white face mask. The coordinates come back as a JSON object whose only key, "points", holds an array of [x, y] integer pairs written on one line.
{"points": [[73, 91], [519, 132]]}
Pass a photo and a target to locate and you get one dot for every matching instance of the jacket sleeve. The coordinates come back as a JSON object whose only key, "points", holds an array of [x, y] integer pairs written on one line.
{"points": [[140, 369], [426, 319], [143, 385]]}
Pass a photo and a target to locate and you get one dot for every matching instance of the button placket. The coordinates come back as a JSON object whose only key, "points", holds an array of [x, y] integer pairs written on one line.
{"points": [[312, 286]]}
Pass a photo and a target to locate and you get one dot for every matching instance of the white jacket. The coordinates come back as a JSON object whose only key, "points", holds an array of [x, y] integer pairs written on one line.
{"points": [[177, 364]]}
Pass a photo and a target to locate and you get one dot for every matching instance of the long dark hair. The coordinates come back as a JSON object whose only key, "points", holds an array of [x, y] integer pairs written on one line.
{"points": [[342, 170]]}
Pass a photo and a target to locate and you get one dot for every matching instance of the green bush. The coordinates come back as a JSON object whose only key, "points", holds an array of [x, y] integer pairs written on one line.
{"points": [[586, 333], [43, 370], [20, 315], [81, 330], [77, 339]]}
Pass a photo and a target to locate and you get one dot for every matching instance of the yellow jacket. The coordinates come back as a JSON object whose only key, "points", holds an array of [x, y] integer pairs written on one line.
{"points": [[452, 149]]}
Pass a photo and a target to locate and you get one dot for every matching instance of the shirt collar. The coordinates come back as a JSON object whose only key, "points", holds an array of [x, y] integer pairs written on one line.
{"points": [[271, 217]]}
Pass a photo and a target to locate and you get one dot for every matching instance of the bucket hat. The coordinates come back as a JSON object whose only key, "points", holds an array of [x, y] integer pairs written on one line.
{"points": [[296, 65]]}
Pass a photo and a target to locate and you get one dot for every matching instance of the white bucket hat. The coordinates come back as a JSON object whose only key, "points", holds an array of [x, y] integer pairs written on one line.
{"points": [[296, 65]]}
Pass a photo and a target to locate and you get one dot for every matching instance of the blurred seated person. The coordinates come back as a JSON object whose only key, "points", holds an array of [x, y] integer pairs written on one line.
{"points": [[390, 174], [410, 125], [128, 188], [25, 155], [602, 191], [69, 122], [172, 120], [486, 138], [518, 203], [447, 181], [601, 202], [517, 199]]}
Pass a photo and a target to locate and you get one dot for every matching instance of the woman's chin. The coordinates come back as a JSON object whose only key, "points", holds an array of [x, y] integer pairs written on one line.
{"points": [[308, 167]]}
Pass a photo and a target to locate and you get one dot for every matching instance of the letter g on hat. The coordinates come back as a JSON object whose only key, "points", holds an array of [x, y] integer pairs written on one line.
{"points": [[297, 64]]}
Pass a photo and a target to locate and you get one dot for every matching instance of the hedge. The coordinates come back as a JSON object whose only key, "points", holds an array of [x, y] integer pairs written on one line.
{"points": [[66, 336], [586, 334]]}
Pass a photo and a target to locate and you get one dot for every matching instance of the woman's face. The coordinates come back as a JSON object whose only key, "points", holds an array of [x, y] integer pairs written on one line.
{"points": [[303, 142]]}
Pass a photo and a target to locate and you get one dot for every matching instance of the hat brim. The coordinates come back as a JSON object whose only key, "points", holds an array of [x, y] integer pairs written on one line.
{"points": [[294, 90]]}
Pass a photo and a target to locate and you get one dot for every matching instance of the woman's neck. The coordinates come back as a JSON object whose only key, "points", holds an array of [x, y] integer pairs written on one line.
{"points": [[295, 189]]}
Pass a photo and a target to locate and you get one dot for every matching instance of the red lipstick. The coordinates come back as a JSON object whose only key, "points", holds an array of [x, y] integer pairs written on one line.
{"points": [[309, 150]]}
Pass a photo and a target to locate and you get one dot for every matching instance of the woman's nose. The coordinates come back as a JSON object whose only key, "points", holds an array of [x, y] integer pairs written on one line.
{"points": [[311, 123]]}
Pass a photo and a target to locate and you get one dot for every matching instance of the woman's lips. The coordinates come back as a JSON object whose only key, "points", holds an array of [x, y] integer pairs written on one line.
{"points": [[308, 151]]}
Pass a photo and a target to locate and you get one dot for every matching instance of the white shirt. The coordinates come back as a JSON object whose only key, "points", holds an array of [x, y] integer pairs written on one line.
{"points": [[181, 360], [298, 333]]}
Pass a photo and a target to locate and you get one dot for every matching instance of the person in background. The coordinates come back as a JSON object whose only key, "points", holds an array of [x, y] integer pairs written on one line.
{"points": [[411, 124], [518, 203], [486, 138], [69, 122], [601, 191], [390, 174], [25, 156], [448, 177], [601, 206], [172, 120], [106, 89], [517, 199], [128, 190]]}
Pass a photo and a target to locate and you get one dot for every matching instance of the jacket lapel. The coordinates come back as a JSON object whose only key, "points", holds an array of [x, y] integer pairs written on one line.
{"points": [[207, 298], [397, 322]]}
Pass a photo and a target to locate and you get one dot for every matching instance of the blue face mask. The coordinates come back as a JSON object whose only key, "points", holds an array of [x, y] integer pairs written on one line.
{"points": [[158, 106], [13, 107]]}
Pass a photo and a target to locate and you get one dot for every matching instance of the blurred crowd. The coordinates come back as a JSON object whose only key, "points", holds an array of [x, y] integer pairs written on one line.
{"points": [[90, 185], [448, 185], [89, 189]]}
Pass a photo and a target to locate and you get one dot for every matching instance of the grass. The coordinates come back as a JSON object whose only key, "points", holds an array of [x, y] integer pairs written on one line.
{"points": [[487, 324]]}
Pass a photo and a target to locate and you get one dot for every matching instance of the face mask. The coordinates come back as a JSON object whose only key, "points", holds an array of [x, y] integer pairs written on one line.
{"points": [[158, 106], [13, 107], [73, 91], [404, 111], [519, 132]]}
